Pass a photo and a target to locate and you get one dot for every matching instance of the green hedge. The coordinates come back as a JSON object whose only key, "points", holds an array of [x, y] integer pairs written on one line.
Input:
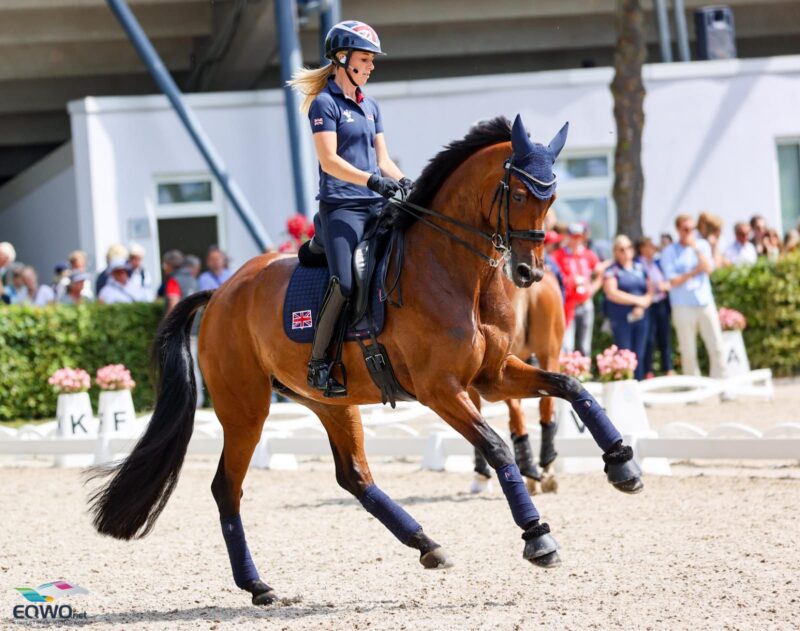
{"points": [[769, 297], [34, 342]]}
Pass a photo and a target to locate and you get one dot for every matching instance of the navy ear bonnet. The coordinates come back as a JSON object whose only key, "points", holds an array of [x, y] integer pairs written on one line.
{"points": [[532, 163]]}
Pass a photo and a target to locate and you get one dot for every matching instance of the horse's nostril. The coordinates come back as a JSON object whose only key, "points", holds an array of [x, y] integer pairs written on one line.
{"points": [[538, 275], [524, 271]]}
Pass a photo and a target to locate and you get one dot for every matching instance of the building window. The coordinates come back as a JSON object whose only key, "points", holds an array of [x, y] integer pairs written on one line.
{"points": [[584, 192], [789, 175], [184, 192]]}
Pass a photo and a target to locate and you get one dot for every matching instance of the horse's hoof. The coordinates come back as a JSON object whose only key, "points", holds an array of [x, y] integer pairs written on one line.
{"points": [[625, 476], [435, 559], [534, 486], [541, 547], [548, 560], [263, 594], [632, 486], [549, 481], [480, 484]]}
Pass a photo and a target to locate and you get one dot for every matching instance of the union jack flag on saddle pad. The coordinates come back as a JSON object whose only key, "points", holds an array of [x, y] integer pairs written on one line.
{"points": [[304, 299]]}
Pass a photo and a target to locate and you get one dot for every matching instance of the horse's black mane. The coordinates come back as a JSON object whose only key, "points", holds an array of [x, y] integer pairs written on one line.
{"points": [[485, 133]]}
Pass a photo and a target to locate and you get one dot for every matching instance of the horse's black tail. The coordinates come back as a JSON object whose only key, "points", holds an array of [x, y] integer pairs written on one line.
{"points": [[128, 504]]}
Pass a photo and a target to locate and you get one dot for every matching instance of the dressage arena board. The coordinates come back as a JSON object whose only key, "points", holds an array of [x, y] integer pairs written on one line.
{"points": [[715, 545]]}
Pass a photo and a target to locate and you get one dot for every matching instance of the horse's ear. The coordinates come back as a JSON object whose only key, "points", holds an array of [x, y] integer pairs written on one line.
{"points": [[520, 143], [558, 141]]}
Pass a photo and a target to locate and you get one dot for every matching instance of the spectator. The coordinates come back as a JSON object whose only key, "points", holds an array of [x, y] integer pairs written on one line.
{"points": [[179, 281], [758, 225], [791, 241], [15, 292], [627, 299], [687, 265], [741, 251], [115, 289], [665, 240], [140, 282], [217, 272], [74, 294], [193, 265], [114, 252], [578, 264], [660, 334], [7, 257], [38, 295], [710, 228], [773, 246]]}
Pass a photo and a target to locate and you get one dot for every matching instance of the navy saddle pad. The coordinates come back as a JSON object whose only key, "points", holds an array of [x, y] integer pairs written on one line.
{"points": [[304, 299]]}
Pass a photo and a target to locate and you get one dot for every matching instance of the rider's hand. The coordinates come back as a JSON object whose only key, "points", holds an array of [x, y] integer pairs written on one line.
{"points": [[407, 185], [386, 186]]}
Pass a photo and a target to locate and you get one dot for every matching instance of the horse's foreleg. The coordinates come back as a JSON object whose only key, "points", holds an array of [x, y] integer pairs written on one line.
{"points": [[460, 412], [547, 447], [520, 380], [346, 434]]}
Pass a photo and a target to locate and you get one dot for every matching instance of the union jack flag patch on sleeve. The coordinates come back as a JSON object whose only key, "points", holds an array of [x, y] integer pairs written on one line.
{"points": [[317, 122], [301, 320]]}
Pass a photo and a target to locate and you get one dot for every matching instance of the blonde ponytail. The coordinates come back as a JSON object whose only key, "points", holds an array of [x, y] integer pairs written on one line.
{"points": [[310, 82]]}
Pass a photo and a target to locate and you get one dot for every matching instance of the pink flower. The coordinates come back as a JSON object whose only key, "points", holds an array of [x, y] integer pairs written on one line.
{"points": [[114, 377], [576, 365], [70, 380], [731, 320], [616, 364]]}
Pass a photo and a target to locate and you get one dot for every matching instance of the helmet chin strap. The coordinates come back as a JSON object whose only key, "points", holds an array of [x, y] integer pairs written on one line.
{"points": [[346, 65]]}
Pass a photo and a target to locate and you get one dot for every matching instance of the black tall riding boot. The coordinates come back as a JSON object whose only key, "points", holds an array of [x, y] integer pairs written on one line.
{"points": [[319, 368]]}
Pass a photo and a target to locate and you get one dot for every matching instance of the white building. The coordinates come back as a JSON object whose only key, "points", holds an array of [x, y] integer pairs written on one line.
{"points": [[722, 136]]}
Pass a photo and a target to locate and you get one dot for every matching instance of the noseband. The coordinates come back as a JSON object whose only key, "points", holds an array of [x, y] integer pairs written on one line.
{"points": [[500, 239]]}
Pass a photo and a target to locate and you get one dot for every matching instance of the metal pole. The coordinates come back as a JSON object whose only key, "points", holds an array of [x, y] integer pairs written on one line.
{"points": [[681, 34], [291, 60], [664, 37], [164, 80], [330, 15]]}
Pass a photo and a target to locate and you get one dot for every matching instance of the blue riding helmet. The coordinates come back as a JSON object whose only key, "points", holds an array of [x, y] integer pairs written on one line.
{"points": [[351, 35]]}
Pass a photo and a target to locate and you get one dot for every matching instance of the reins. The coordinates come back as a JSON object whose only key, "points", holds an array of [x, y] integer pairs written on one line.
{"points": [[500, 240]]}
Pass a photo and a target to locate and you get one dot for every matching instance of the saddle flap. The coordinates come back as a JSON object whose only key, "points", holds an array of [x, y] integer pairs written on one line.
{"points": [[364, 260]]}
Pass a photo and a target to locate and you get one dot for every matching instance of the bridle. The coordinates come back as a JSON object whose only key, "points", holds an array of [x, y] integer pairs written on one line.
{"points": [[501, 238]]}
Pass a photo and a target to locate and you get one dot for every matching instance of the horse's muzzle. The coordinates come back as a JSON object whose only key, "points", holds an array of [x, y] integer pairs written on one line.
{"points": [[525, 275]]}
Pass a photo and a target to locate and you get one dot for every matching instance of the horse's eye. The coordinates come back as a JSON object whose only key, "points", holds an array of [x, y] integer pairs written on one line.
{"points": [[518, 196]]}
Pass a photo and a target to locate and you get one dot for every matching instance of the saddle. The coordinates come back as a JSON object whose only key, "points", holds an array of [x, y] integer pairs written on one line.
{"points": [[363, 318]]}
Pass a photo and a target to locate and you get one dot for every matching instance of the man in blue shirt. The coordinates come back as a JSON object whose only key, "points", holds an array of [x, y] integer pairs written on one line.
{"points": [[686, 265]]}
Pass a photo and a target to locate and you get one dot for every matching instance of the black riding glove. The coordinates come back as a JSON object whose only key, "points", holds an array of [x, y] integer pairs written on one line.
{"points": [[386, 186], [407, 185]]}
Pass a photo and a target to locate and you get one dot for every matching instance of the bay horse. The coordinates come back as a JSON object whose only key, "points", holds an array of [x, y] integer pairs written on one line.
{"points": [[487, 196], [539, 312]]}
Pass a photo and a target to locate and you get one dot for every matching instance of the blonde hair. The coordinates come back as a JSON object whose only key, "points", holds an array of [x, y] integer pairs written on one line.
{"points": [[309, 82]]}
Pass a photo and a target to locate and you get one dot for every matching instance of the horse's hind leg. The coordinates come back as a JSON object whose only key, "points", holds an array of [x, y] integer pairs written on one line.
{"points": [[523, 453], [346, 434], [242, 406]]}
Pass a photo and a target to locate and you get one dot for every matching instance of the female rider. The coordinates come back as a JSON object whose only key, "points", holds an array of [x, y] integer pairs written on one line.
{"points": [[355, 171]]}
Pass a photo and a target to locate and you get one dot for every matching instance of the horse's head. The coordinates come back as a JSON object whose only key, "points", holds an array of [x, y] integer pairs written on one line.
{"points": [[532, 190]]}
